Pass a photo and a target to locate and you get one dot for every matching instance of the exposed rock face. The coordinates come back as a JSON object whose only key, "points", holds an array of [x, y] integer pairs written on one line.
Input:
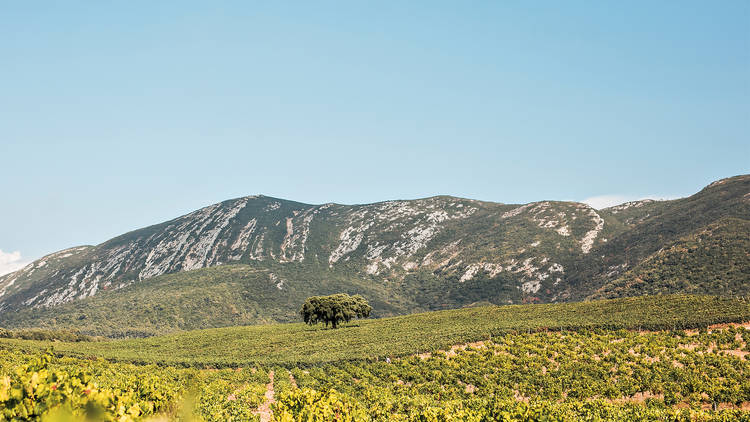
{"points": [[457, 236]]}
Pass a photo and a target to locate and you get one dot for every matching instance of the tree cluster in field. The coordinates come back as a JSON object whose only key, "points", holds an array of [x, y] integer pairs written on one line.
{"points": [[334, 309]]}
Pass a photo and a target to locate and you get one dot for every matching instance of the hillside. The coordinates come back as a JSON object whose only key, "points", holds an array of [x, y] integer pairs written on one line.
{"points": [[658, 226], [712, 260], [221, 296], [253, 259]]}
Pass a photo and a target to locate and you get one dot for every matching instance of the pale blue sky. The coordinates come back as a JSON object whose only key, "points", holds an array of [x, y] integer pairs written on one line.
{"points": [[117, 115]]}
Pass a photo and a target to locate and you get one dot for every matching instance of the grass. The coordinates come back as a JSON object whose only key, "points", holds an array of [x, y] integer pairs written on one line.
{"points": [[299, 345]]}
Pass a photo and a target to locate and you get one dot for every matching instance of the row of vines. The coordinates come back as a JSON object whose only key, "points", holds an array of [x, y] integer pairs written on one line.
{"points": [[595, 375]]}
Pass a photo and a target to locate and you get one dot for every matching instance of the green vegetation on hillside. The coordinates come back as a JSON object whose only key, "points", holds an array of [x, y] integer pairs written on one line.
{"points": [[47, 335], [299, 344], [223, 296], [662, 226], [715, 260]]}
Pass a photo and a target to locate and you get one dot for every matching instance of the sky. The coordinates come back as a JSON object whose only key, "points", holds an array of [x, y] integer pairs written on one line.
{"points": [[118, 115]]}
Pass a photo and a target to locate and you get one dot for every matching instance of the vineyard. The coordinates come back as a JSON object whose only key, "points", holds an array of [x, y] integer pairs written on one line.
{"points": [[45, 387], [587, 375], [519, 363]]}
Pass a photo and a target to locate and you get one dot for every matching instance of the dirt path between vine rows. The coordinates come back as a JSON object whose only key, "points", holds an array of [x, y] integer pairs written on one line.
{"points": [[265, 409]]}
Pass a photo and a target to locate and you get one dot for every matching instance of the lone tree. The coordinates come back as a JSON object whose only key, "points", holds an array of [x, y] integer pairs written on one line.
{"points": [[334, 309]]}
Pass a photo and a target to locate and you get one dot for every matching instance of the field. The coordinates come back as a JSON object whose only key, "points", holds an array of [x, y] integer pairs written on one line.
{"points": [[649, 358]]}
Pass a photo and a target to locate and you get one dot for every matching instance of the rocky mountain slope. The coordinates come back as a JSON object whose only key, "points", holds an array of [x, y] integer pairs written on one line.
{"points": [[406, 255], [711, 260], [451, 236], [661, 225]]}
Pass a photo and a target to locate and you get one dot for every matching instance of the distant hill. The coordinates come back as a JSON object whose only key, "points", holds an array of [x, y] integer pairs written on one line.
{"points": [[254, 259]]}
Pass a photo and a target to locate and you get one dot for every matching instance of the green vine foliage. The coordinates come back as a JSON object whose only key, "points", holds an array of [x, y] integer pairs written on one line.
{"points": [[582, 372], [37, 392], [47, 388], [587, 375]]}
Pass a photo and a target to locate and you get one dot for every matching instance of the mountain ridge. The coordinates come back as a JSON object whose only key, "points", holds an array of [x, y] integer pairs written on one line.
{"points": [[429, 253]]}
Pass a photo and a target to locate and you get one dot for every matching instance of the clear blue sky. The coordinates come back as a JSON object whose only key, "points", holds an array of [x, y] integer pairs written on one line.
{"points": [[117, 115]]}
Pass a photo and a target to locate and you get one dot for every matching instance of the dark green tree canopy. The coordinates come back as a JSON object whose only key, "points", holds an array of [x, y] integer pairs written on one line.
{"points": [[334, 309]]}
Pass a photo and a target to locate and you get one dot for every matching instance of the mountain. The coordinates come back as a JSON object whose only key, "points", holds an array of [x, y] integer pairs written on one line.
{"points": [[447, 236], [254, 259]]}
